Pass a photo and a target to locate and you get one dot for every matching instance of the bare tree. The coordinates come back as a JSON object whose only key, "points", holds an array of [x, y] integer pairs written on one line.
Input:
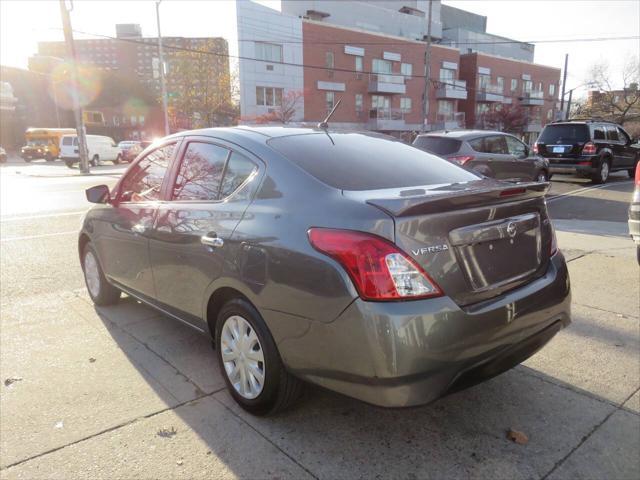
{"points": [[283, 113], [617, 104]]}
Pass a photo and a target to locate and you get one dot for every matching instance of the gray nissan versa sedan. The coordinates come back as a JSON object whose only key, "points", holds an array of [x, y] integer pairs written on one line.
{"points": [[348, 260]]}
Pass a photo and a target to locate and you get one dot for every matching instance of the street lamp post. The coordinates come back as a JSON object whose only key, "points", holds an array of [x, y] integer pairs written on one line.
{"points": [[163, 85]]}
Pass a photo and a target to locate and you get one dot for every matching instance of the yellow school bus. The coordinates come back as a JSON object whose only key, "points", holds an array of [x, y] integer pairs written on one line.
{"points": [[43, 143]]}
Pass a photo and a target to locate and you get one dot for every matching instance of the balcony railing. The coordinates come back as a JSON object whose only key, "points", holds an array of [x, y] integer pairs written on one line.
{"points": [[449, 121], [386, 83], [454, 89], [533, 97], [491, 88], [386, 113], [490, 93]]}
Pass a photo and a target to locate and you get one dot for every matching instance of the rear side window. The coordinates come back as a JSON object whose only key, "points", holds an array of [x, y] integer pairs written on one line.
{"points": [[565, 133], [200, 172], [144, 180], [612, 133], [239, 169], [495, 144], [438, 145], [355, 161], [598, 133], [67, 141], [622, 135]]}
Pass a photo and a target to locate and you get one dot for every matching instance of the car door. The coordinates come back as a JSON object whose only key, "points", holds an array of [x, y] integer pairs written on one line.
{"points": [[123, 236], [616, 146], [496, 156], [191, 241], [627, 152], [522, 165]]}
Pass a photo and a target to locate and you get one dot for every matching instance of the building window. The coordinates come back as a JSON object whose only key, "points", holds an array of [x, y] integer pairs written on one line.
{"points": [[406, 69], [500, 83], [330, 99], [527, 86], [447, 75], [329, 61], [540, 87], [549, 114], [552, 89], [484, 81], [269, 96], [482, 108], [141, 120], [379, 102], [270, 52], [405, 104], [514, 84], [134, 120], [359, 64], [359, 102], [381, 66], [445, 107]]}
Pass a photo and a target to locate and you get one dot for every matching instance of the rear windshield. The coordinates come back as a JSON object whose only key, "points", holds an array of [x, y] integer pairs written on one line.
{"points": [[355, 161], [565, 133], [67, 141], [438, 145]]}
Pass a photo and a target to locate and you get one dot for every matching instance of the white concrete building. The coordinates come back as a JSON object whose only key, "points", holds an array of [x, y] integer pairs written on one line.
{"points": [[272, 38]]}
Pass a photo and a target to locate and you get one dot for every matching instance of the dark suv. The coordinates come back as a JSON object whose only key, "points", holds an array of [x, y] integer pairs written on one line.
{"points": [[589, 148]]}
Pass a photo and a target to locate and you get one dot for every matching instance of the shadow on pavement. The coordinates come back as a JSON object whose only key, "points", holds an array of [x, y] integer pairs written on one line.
{"points": [[333, 436]]}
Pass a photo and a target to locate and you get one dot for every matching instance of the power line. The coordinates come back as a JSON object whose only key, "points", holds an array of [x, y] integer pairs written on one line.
{"points": [[435, 82]]}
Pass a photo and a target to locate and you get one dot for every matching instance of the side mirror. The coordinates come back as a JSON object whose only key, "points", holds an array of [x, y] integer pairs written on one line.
{"points": [[98, 194]]}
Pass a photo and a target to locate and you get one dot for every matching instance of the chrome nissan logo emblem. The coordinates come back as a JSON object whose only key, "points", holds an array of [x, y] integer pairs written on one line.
{"points": [[512, 229]]}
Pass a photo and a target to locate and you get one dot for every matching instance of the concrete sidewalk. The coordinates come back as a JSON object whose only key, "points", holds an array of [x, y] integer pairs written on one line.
{"points": [[123, 392]]}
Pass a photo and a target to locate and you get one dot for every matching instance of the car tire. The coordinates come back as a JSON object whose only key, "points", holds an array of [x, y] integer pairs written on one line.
{"points": [[117, 160], [279, 389], [100, 290], [49, 158], [28, 160], [95, 161], [638, 254], [602, 174], [68, 163]]}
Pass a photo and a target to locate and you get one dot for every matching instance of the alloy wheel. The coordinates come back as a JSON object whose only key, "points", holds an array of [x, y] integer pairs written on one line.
{"points": [[242, 356], [604, 170], [92, 274]]}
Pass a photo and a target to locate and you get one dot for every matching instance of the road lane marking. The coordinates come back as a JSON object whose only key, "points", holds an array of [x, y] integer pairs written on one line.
{"points": [[34, 217], [586, 189], [31, 237]]}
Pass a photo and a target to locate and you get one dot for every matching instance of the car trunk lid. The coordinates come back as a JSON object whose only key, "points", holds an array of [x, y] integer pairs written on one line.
{"points": [[476, 240]]}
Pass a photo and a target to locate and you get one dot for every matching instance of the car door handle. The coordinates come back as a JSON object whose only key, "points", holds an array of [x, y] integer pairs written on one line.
{"points": [[212, 240]]}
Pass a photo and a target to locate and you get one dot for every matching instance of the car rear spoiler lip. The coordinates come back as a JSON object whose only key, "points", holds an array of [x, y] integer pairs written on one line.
{"points": [[457, 200]]}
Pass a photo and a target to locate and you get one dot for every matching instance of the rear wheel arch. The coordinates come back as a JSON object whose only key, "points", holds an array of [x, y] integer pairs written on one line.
{"points": [[82, 242], [217, 300]]}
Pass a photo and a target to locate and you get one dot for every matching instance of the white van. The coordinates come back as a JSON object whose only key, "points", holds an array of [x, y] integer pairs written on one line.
{"points": [[101, 149]]}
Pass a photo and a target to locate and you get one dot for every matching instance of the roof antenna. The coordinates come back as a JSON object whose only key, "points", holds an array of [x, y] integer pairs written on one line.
{"points": [[324, 125]]}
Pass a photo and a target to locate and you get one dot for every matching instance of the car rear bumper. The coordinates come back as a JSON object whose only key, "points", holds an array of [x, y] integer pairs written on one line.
{"points": [[399, 354]]}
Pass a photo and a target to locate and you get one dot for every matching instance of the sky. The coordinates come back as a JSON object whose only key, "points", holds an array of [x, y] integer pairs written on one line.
{"points": [[25, 22]]}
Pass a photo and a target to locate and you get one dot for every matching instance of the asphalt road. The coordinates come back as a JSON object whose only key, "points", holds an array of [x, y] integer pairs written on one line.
{"points": [[124, 392]]}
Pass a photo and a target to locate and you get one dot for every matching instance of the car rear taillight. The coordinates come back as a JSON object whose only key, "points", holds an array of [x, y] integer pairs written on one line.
{"points": [[535, 148], [589, 148], [638, 173], [461, 159], [379, 270]]}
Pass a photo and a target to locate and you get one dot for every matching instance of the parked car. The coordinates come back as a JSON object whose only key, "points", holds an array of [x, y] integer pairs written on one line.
{"points": [[493, 154], [100, 149], [634, 213], [130, 149], [348, 260], [3, 155], [588, 148]]}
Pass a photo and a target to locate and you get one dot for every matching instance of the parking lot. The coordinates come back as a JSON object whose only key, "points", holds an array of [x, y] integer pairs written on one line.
{"points": [[124, 392]]}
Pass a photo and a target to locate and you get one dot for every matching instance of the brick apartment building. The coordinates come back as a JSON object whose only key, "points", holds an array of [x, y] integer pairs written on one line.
{"points": [[379, 76], [134, 57]]}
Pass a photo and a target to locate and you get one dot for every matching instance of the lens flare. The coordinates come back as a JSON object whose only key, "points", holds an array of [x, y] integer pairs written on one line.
{"points": [[61, 85]]}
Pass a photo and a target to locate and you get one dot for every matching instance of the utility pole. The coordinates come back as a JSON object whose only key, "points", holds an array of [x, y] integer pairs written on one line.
{"points": [[564, 84], [569, 104], [77, 109], [163, 85], [427, 76]]}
